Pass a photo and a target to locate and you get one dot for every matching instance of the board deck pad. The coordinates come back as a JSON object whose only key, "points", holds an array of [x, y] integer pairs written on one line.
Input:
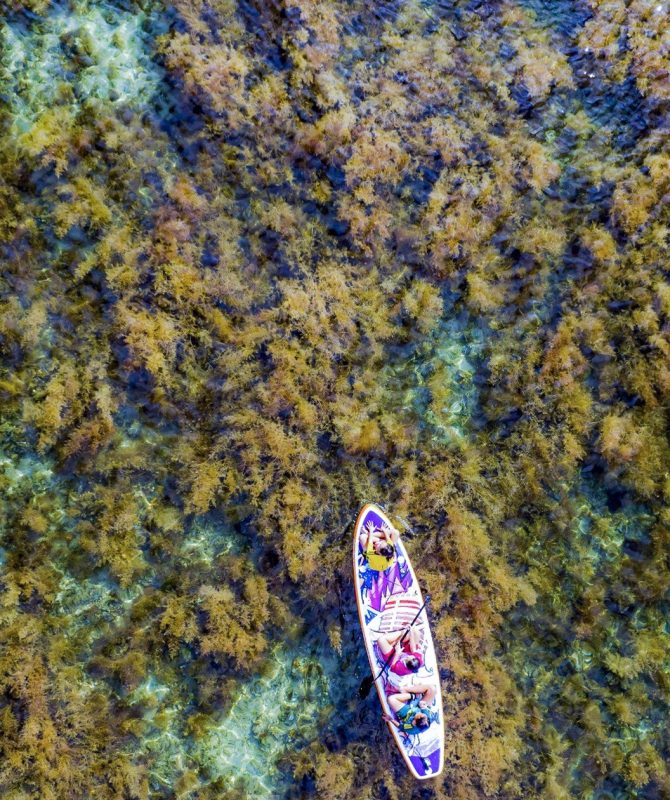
{"points": [[388, 600]]}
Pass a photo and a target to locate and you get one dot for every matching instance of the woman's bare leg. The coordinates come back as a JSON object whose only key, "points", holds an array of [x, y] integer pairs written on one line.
{"points": [[385, 645], [426, 689], [398, 700]]}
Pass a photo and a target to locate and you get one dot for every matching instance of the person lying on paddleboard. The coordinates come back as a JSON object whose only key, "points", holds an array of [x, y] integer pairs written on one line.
{"points": [[406, 659], [412, 709], [378, 545]]}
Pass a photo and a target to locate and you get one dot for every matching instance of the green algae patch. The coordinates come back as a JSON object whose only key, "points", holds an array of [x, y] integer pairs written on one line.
{"points": [[588, 647]]}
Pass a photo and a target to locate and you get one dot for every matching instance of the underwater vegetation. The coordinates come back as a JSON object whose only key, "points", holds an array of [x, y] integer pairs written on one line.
{"points": [[264, 260]]}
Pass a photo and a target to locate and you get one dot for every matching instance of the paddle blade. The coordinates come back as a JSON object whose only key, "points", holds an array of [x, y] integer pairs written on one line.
{"points": [[364, 688]]}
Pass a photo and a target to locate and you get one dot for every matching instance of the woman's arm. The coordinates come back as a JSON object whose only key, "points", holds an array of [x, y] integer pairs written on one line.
{"points": [[390, 535]]}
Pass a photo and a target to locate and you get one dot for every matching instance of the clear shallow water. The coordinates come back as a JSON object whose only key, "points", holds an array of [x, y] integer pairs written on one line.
{"points": [[260, 262], [89, 53]]}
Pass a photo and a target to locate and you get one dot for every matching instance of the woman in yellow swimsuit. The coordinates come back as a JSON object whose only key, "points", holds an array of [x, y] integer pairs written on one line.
{"points": [[378, 546]]}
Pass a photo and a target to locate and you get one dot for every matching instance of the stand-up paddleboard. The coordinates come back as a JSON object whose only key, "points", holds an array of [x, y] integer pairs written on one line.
{"points": [[389, 598]]}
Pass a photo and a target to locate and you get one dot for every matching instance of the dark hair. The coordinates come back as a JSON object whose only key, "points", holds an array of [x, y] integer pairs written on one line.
{"points": [[412, 663], [421, 723], [386, 551]]}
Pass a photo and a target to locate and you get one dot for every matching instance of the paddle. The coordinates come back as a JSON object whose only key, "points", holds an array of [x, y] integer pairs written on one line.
{"points": [[366, 685]]}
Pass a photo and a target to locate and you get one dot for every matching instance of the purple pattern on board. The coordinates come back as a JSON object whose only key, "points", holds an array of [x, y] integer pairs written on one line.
{"points": [[433, 758], [378, 585]]}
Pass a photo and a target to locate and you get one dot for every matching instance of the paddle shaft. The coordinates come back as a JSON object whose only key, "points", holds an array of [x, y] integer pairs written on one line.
{"points": [[402, 639]]}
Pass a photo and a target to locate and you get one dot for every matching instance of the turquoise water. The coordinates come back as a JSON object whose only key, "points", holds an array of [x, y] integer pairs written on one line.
{"points": [[264, 261]]}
